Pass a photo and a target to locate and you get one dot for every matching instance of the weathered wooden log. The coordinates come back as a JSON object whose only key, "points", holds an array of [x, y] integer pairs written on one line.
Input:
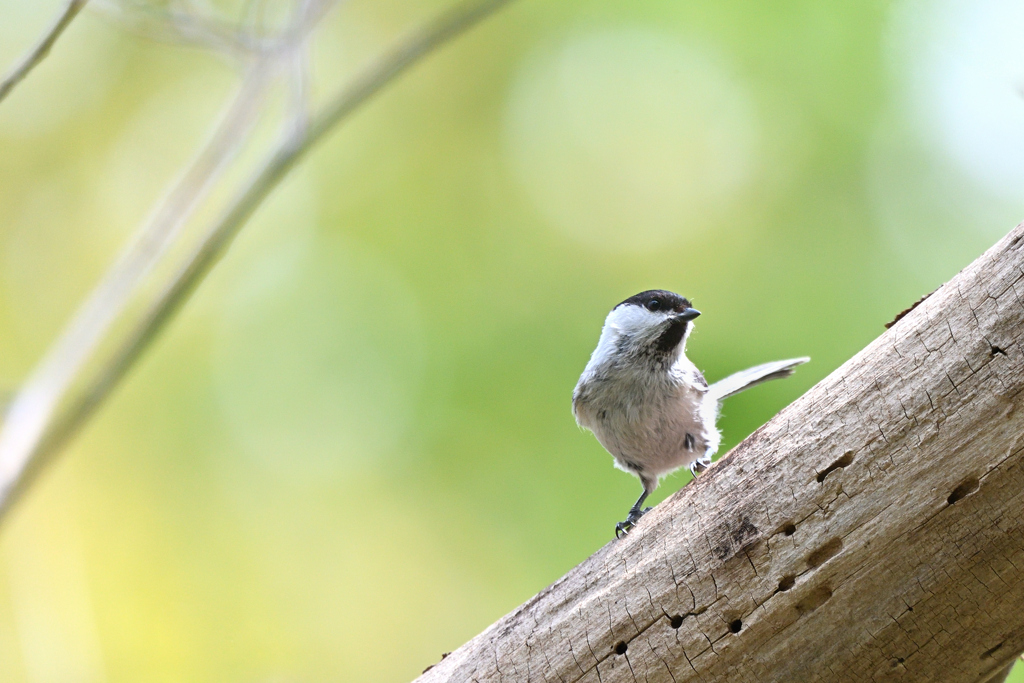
{"points": [[873, 530]]}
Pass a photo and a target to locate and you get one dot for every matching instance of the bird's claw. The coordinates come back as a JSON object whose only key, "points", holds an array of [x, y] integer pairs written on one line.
{"points": [[624, 527], [698, 466]]}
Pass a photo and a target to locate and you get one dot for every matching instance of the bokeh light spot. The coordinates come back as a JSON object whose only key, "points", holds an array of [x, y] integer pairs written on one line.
{"points": [[945, 171], [317, 362], [630, 139], [962, 66]]}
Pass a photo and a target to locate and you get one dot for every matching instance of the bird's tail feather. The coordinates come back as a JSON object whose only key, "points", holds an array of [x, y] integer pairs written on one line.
{"points": [[744, 379]]}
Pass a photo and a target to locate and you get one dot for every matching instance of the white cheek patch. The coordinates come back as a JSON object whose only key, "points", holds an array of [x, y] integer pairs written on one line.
{"points": [[634, 321]]}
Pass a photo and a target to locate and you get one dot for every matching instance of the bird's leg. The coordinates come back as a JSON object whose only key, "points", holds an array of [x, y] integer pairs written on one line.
{"points": [[635, 513]]}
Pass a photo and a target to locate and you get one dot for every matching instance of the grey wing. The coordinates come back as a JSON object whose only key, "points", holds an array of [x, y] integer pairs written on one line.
{"points": [[744, 379]]}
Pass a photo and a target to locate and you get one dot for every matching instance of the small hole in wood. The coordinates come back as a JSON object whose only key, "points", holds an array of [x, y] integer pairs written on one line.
{"points": [[677, 621], [991, 651], [786, 582], [620, 648], [996, 350], [824, 553], [735, 626], [966, 488], [842, 462], [789, 529], [813, 600]]}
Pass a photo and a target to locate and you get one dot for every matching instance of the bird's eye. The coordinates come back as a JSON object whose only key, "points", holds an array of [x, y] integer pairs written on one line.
{"points": [[653, 305]]}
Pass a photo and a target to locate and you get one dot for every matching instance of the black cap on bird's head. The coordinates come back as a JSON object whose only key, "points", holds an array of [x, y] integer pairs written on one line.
{"points": [[655, 300], [670, 321]]}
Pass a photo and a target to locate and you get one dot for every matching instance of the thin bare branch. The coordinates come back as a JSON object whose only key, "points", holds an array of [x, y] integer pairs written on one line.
{"points": [[236, 40], [190, 28], [298, 81], [41, 49], [33, 431], [38, 401], [307, 12]]}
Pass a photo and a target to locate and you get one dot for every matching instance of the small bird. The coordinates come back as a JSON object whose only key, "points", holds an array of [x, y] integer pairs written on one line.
{"points": [[643, 399]]}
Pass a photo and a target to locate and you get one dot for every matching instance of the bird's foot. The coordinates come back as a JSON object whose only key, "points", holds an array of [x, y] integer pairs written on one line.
{"points": [[697, 467], [624, 527]]}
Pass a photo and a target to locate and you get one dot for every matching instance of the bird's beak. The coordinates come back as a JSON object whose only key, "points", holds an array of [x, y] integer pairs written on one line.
{"points": [[688, 314]]}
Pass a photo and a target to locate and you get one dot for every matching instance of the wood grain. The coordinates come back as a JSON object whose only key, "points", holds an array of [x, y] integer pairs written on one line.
{"points": [[872, 531]]}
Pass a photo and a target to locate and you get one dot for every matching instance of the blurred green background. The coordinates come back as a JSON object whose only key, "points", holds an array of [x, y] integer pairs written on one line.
{"points": [[354, 450]]}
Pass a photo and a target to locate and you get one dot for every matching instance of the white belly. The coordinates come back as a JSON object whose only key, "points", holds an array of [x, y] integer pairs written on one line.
{"points": [[652, 426]]}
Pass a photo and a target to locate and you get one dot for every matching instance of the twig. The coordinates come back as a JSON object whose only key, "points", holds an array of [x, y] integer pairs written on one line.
{"points": [[23, 452], [237, 41], [298, 67], [39, 398], [168, 25], [298, 82], [41, 49]]}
